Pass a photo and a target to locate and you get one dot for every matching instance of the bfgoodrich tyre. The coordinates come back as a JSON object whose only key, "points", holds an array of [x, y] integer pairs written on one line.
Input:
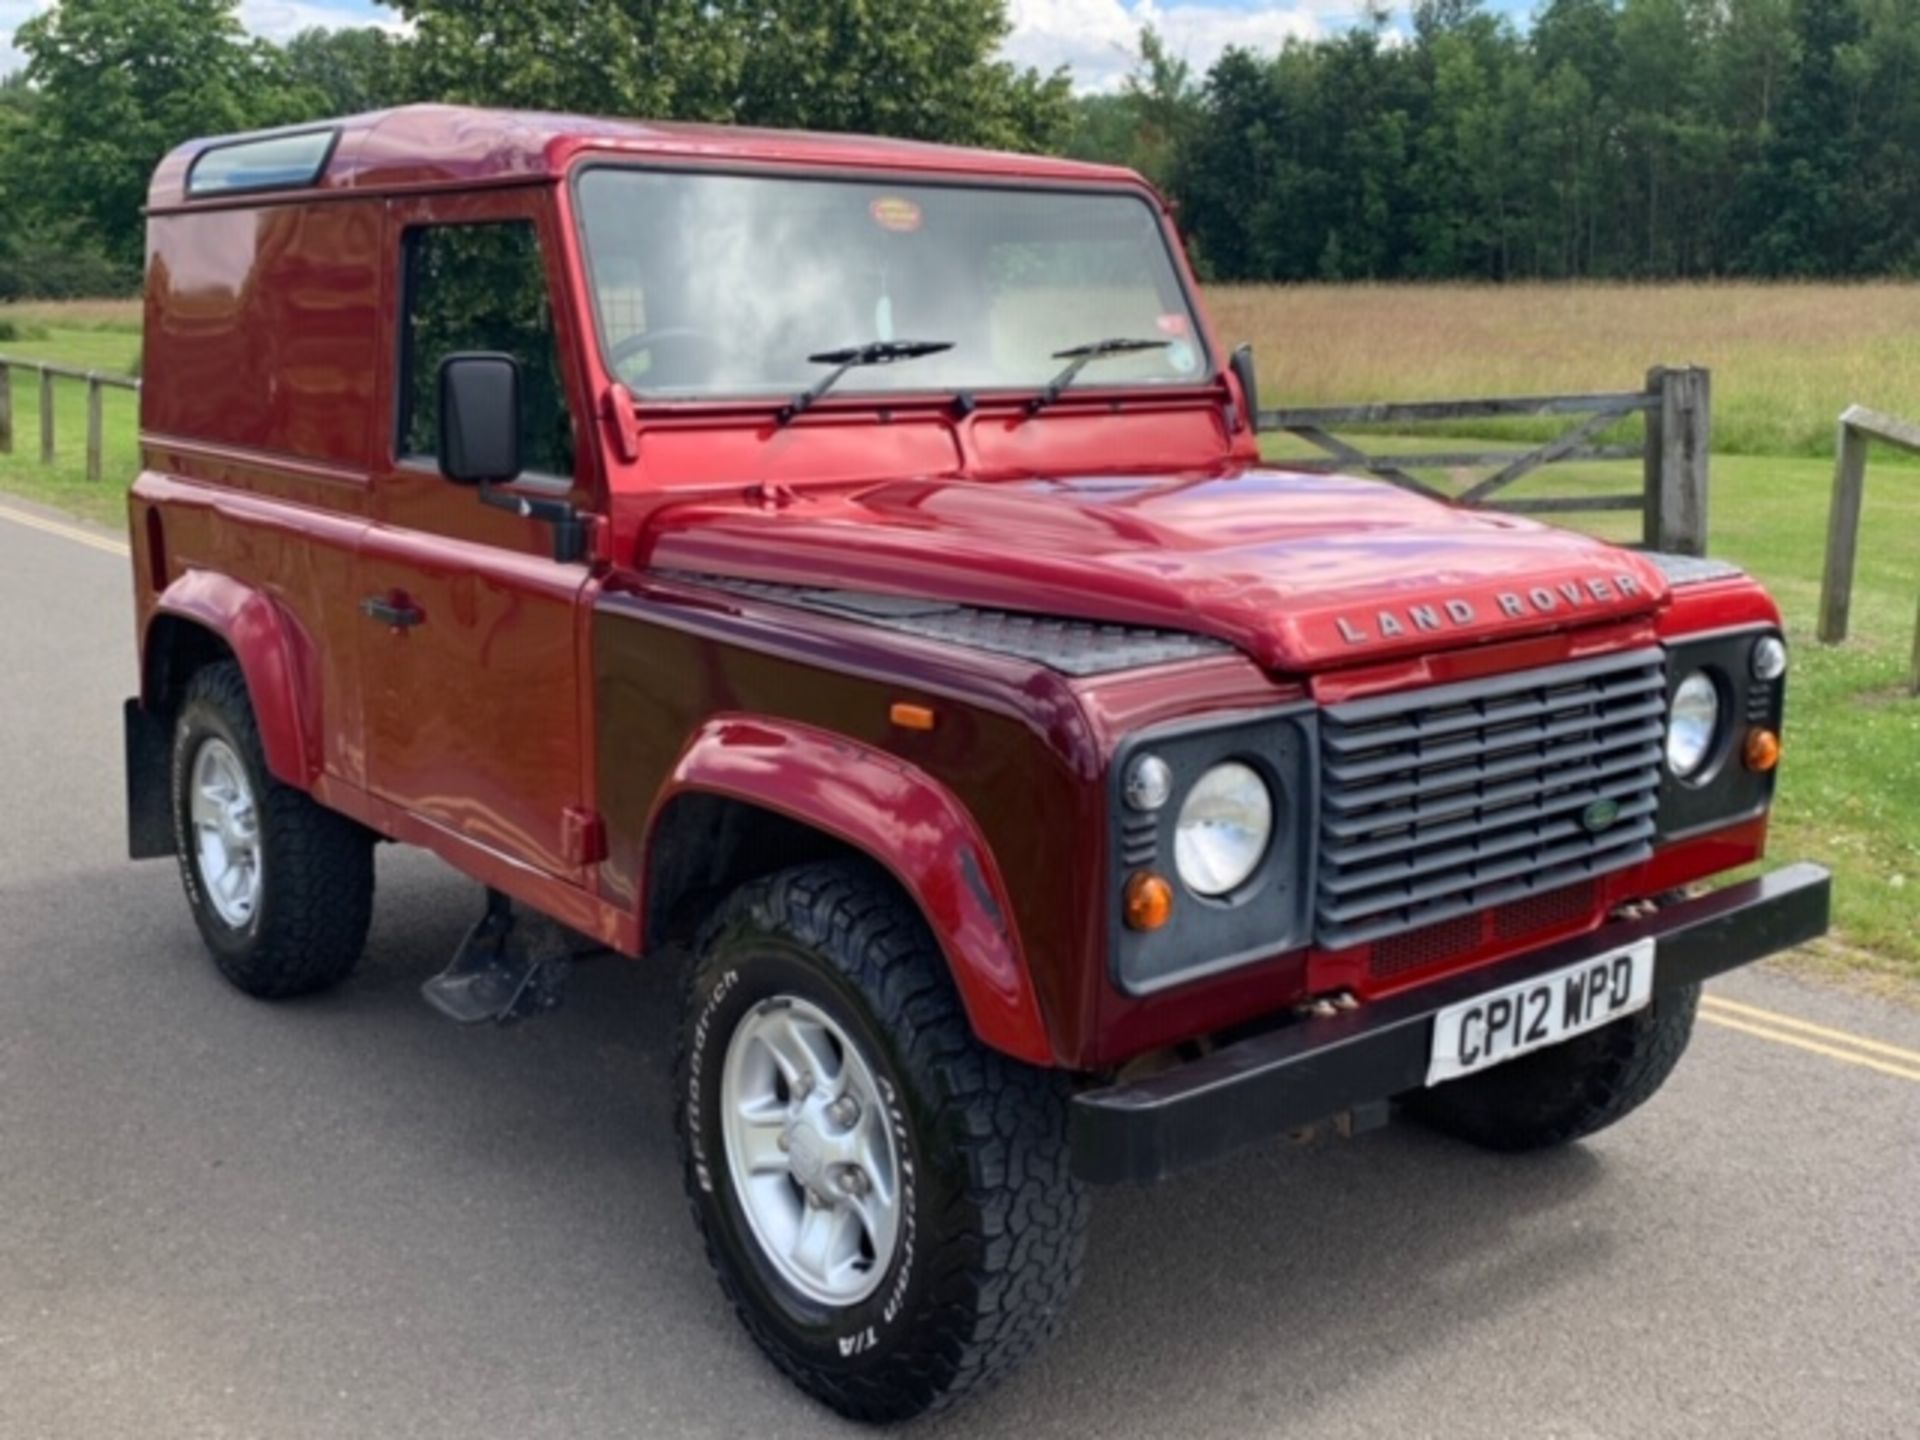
{"points": [[1562, 1094], [281, 887], [887, 1203]]}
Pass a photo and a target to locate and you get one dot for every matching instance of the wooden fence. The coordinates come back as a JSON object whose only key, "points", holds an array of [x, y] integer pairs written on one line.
{"points": [[97, 385], [1859, 426], [1672, 497]]}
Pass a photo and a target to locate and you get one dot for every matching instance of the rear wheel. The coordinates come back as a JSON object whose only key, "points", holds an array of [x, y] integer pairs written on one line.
{"points": [[280, 886], [887, 1203], [1558, 1095]]}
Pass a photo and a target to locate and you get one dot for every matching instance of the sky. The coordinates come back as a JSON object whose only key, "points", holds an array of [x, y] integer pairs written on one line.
{"points": [[1094, 37]]}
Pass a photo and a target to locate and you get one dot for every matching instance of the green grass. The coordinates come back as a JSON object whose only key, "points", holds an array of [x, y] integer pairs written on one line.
{"points": [[110, 350], [88, 335], [1850, 787]]}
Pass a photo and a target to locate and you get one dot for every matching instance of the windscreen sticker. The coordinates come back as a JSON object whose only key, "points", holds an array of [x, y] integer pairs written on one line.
{"points": [[895, 213], [1181, 356], [1172, 324]]}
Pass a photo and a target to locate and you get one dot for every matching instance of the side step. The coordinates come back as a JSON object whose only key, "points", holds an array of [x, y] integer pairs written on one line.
{"points": [[507, 968]]}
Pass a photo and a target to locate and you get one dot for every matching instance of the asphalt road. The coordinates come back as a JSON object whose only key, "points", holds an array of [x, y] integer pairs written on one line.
{"points": [[345, 1217]]}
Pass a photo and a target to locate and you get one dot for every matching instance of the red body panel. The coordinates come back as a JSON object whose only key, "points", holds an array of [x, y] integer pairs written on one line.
{"points": [[277, 656], [896, 813], [438, 147], [535, 723], [1299, 571]]}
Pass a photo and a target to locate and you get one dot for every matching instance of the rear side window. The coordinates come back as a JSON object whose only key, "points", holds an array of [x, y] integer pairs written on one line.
{"points": [[272, 162], [482, 287]]}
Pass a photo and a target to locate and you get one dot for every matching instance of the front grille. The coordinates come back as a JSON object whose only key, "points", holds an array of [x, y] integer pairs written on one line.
{"points": [[1450, 800]]}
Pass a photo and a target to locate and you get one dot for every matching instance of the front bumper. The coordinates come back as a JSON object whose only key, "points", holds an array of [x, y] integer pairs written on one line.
{"points": [[1313, 1069]]}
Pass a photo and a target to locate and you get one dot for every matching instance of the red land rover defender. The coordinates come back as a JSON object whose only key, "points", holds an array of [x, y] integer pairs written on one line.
{"points": [[843, 569]]}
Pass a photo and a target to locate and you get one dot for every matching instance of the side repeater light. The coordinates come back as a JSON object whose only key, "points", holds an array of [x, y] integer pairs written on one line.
{"points": [[1762, 750], [1149, 901]]}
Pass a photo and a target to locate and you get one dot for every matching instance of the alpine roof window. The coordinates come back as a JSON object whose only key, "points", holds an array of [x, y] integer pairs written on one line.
{"points": [[271, 162]]}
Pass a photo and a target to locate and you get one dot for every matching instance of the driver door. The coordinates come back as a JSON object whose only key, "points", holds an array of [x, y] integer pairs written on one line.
{"points": [[470, 631]]}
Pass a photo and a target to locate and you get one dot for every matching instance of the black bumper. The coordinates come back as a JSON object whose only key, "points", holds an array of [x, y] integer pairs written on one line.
{"points": [[1314, 1069]]}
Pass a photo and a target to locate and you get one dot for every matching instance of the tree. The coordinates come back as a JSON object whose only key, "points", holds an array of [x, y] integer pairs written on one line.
{"points": [[118, 83], [1164, 101], [345, 72], [1797, 200], [923, 69]]}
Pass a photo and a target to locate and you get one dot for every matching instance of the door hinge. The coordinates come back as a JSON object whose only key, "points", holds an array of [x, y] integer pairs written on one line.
{"points": [[583, 836]]}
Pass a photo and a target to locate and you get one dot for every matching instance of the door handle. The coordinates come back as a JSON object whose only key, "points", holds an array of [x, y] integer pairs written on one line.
{"points": [[400, 614]]}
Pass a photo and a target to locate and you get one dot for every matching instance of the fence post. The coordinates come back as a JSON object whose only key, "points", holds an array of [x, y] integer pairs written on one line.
{"points": [[1843, 532], [1913, 681], [94, 391], [1679, 441], [6, 409], [46, 416]]}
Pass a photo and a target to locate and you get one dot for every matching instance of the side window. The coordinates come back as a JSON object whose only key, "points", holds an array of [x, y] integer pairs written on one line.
{"points": [[482, 287]]}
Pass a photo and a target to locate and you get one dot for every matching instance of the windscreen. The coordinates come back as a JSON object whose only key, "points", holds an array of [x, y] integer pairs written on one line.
{"points": [[718, 285]]}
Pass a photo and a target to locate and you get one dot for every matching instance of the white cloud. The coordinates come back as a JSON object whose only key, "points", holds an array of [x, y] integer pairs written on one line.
{"points": [[283, 19], [1099, 39], [269, 19], [14, 14]]}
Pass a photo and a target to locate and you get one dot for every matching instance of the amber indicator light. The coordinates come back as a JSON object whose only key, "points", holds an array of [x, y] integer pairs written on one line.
{"points": [[1149, 901], [911, 717], [1762, 750]]}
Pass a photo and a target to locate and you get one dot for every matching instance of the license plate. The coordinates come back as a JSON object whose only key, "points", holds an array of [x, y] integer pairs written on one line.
{"points": [[1502, 1024]]}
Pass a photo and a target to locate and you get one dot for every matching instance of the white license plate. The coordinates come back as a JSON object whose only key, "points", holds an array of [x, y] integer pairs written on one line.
{"points": [[1534, 1014]]}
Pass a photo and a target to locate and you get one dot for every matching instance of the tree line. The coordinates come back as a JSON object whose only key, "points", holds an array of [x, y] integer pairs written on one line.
{"points": [[1608, 138], [1658, 139]]}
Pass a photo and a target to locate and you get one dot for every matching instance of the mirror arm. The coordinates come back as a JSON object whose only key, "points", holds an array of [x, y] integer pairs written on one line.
{"points": [[569, 525]]}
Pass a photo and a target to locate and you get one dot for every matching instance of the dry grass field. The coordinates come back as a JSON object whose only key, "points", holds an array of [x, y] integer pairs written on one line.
{"points": [[1786, 359], [77, 314]]}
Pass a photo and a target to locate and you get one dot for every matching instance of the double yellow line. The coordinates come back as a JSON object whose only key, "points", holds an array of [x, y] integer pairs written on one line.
{"points": [[1817, 1039]]}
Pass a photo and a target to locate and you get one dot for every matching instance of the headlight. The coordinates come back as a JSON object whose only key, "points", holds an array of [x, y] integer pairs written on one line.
{"points": [[1224, 826], [1694, 724]]}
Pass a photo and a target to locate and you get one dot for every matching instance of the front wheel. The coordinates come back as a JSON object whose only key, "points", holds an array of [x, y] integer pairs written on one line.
{"points": [[1569, 1091], [887, 1203]]}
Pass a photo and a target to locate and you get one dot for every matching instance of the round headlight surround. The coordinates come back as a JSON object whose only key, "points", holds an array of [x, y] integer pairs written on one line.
{"points": [[1769, 659], [1225, 829], [1694, 725]]}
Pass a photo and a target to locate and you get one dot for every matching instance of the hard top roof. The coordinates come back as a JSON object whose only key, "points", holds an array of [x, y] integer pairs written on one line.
{"points": [[441, 146]]}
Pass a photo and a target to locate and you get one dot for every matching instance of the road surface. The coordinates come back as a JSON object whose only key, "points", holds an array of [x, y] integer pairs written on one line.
{"points": [[346, 1217]]}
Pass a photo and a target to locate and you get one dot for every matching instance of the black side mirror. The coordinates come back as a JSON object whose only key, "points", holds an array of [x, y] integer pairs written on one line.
{"points": [[479, 440], [1249, 382]]}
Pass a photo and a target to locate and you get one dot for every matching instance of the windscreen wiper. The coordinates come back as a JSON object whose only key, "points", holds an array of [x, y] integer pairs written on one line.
{"points": [[1078, 357], [878, 352]]}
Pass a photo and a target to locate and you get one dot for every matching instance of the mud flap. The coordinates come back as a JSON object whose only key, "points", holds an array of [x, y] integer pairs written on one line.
{"points": [[149, 804]]}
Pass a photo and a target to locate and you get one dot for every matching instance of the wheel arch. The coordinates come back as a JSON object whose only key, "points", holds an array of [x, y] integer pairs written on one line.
{"points": [[203, 619], [750, 796]]}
